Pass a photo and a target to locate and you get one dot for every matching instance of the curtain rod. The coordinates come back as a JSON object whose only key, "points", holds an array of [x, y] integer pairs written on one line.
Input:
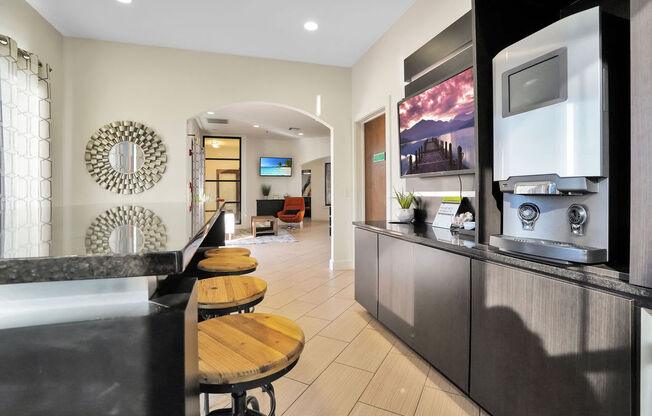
{"points": [[4, 40]]}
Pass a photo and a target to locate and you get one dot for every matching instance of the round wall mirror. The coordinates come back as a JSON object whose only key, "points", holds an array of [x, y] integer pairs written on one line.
{"points": [[126, 157], [126, 239], [126, 230]]}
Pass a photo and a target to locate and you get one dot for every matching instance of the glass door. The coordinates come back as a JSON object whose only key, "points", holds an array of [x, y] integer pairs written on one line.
{"points": [[222, 174]]}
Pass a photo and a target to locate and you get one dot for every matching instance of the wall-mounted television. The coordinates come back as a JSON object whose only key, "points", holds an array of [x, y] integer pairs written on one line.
{"points": [[275, 166], [437, 128]]}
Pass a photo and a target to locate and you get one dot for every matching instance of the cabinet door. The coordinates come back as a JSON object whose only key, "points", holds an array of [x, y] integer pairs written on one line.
{"points": [[443, 311], [540, 346], [396, 287], [366, 270]]}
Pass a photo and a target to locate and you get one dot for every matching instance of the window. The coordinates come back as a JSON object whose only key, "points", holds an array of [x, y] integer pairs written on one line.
{"points": [[222, 174]]}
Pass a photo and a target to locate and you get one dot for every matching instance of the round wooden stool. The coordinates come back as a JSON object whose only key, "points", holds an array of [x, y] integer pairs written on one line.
{"points": [[245, 351], [234, 251], [217, 296], [226, 265]]}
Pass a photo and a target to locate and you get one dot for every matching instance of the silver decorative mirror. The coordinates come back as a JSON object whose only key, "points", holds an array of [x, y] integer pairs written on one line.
{"points": [[126, 239], [126, 230], [125, 157]]}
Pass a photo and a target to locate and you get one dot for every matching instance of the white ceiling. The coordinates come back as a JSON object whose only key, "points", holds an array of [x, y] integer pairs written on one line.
{"points": [[260, 28], [274, 121]]}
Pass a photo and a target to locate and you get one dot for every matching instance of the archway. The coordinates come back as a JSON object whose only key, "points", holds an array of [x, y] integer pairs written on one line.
{"points": [[261, 129]]}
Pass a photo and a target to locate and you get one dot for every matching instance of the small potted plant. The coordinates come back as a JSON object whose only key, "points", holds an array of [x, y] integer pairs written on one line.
{"points": [[266, 190], [405, 200]]}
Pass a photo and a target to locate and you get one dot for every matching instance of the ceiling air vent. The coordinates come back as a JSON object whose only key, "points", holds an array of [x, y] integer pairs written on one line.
{"points": [[217, 121]]}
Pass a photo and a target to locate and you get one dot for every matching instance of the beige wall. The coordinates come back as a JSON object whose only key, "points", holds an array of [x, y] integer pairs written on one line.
{"points": [[300, 150], [163, 87], [20, 21], [377, 83]]}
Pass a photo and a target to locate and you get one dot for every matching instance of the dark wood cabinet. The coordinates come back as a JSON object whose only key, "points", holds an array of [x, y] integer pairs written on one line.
{"points": [[640, 266], [443, 311], [424, 297], [269, 206], [540, 346], [366, 270], [396, 285]]}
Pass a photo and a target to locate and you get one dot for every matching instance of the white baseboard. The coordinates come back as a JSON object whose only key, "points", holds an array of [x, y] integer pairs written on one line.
{"points": [[341, 264]]}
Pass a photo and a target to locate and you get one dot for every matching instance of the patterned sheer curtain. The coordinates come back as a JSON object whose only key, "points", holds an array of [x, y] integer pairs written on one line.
{"points": [[25, 161]]}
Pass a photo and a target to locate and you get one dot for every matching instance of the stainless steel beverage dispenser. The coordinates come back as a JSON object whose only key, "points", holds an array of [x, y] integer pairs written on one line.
{"points": [[551, 142]]}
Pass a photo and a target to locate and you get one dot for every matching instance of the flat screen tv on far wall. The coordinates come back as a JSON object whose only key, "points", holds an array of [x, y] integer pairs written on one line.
{"points": [[436, 128], [275, 166]]}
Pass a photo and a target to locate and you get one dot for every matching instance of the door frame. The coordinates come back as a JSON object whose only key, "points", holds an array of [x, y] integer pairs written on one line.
{"points": [[359, 161], [217, 180]]}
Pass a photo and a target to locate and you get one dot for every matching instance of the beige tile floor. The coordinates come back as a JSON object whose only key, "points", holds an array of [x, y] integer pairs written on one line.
{"points": [[351, 365]]}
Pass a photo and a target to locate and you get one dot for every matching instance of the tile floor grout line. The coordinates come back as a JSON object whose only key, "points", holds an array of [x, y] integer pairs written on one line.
{"points": [[362, 390], [376, 407]]}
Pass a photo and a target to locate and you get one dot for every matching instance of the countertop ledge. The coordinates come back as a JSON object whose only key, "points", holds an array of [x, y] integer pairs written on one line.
{"points": [[593, 276], [102, 266]]}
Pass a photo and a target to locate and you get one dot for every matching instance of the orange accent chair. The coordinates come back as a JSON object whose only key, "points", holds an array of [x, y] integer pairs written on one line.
{"points": [[293, 210]]}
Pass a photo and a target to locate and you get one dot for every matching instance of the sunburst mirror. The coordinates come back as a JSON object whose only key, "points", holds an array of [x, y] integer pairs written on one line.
{"points": [[126, 230], [125, 157]]}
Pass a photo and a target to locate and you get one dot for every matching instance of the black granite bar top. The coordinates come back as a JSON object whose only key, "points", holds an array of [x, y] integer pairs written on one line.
{"points": [[103, 241], [600, 277]]}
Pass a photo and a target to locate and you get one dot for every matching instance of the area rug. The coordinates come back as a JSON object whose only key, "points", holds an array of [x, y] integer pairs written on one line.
{"points": [[244, 237]]}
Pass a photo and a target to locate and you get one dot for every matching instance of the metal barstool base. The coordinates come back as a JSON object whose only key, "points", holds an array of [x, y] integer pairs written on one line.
{"points": [[241, 405]]}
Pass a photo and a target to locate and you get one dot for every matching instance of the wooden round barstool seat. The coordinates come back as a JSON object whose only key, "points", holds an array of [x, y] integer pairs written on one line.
{"points": [[234, 251], [224, 265], [245, 351], [227, 294]]}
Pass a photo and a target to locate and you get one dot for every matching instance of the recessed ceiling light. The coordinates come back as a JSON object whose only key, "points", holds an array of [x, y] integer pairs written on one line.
{"points": [[256, 125], [300, 134], [124, 1], [310, 26], [210, 112]]}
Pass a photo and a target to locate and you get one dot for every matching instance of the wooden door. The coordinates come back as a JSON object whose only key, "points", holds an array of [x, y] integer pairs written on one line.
{"points": [[374, 172]]}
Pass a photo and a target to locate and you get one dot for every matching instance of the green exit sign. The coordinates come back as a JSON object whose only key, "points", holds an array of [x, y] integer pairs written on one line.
{"points": [[379, 157]]}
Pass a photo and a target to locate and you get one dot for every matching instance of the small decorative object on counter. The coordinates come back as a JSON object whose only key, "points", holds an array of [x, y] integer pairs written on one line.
{"points": [[447, 212], [460, 220], [405, 201]]}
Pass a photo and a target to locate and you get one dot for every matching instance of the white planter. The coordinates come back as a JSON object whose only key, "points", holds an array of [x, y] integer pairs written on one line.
{"points": [[405, 215]]}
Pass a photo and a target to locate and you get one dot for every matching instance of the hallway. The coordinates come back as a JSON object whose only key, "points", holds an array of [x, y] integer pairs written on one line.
{"points": [[351, 364]]}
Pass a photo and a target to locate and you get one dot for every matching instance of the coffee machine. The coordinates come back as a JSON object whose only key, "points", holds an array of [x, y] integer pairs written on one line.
{"points": [[551, 142]]}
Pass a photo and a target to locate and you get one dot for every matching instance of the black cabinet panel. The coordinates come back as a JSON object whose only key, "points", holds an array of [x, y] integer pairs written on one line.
{"points": [[545, 347], [269, 206], [366, 270], [443, 311], [396, 286], [424, 298]]}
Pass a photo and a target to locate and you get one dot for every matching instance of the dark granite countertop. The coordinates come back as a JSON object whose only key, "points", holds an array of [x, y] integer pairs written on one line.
{"points": [[600, 277], [101, 241]]}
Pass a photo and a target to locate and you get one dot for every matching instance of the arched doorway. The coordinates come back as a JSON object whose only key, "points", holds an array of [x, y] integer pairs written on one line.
{"points": [[227, 144]]}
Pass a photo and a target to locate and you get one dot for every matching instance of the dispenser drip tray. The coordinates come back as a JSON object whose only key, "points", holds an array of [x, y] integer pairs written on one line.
{"points": [[554, 250]]}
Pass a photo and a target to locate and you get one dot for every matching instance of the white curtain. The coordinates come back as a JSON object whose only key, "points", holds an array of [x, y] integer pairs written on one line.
{"points": [[25, 161]]}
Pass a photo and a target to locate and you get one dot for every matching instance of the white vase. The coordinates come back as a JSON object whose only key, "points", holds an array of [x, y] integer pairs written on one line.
{"points": [[405, 214]]}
